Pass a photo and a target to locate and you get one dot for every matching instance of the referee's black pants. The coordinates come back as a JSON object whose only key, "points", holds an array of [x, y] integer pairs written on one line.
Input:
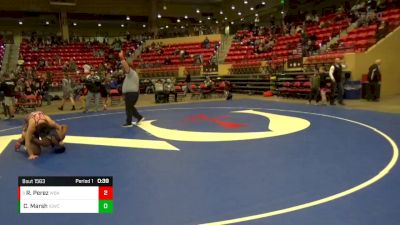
{"points": [[130, 102]]}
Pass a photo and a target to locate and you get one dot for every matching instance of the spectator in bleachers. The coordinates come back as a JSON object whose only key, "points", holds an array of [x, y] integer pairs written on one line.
{"points": [[159, 95], [86, 68], [67, 92], [65, 67], [20, 87], [206, 43], [381, 6], [37, 89], [8, 88], [167, 61], [383, 30], [309, 18], [214, 60], [371, 18], [41, 63], [72, 65], [157, 63], [57, 60], [44, 88], [261, 47], [340, 9], [198, 59], [28, 87], [183, 54], [169, 88], [358, 6], [209, 83]]}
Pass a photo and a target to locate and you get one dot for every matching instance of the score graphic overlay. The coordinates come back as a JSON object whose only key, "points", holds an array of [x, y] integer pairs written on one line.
{"points": [[65, 194]]}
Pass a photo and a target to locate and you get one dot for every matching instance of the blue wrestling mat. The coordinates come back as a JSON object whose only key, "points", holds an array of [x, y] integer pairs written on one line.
{"points": [[245, 162]]}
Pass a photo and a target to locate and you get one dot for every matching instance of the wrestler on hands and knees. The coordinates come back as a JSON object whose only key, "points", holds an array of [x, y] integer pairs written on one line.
{"points": [[41, 131]]}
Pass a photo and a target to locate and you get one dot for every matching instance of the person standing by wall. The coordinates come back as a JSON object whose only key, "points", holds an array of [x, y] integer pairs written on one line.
{"points": [[337, 79], [374, 78], [130, 90], [67, 92], [8, 87], [315, 83], [188, 81]]}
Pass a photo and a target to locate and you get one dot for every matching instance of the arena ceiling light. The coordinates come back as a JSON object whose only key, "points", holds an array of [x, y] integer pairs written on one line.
{"points": [[74, 24], [241, 19], [239, 13], [144, 25], [256, 15], [209, 18], [99, 24], [122, 25], [251, 8], [245, 2], [159, 16], [164, 7], [226, 18], [128, 18], [232, 22], [221, 12], [182, 27], [216, 22], [233, 7], [47, 22], [185, 16], [178, 20], [20, 22], [162, 28], [197, 10], [167, 27], [282, 12], [263, 3], [200, 21]]}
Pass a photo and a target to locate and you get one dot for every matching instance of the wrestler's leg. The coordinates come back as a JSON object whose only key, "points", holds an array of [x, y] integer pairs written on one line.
{"points": [[19, 142]]}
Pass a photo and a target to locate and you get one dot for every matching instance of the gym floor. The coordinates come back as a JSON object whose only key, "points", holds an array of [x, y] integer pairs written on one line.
{"points": [[246, 161]]}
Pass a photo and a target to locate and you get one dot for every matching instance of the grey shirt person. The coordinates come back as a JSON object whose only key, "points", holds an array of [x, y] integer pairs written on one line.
{"points": [[131, 82]]}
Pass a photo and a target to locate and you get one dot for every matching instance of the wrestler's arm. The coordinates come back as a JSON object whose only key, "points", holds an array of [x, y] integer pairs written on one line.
{"points": [[28, 139], [52, 123]]}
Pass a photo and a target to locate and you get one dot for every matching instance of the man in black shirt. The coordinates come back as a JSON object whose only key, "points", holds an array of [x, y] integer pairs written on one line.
{"points": [[8, 87], [93, 83], [374, 78], [337, 82]]}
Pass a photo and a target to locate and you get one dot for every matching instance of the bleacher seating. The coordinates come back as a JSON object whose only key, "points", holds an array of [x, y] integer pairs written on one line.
{"points": [[168, 51], [166, 71], [359, 39], [392, 17], [76, 51], [325, 34], [326, 58]]}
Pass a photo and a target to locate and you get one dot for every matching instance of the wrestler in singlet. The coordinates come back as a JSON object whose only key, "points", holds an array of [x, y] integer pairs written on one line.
{"points": [[44, 132]]}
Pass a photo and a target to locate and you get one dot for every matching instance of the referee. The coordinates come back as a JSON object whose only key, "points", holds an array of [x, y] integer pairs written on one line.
{"points": [[130, 90]]}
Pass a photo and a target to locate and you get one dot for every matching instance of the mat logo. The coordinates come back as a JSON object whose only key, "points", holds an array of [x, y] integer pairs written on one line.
{"points": [[278, 125]]}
